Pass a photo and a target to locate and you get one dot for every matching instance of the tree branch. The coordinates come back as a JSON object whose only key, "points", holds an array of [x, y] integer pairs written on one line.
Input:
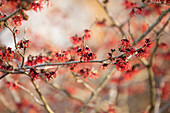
{"points": [[11, 15], [30, 93], [164, 13], [47, 107], [111, 18]]}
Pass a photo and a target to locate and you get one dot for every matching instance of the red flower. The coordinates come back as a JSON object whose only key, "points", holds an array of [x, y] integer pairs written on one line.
{"points": [[36, 6], [104, 66], [125, 43], [33, 74], [7, 55], [17, 20], [11, 85], [87, 34], [76, 40], [122, 64], [129, 4], [145, 50], [23, 44]]}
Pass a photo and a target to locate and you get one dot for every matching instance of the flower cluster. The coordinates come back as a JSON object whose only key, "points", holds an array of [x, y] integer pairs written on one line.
{"points": [[48, 74], [145, 50], [129, 5], [76, 40], [87, 34], [17, 20], [7, 54], [22, 44], [88, 72], [62, 56], [122, 64], [126, 47], [36, 6], [85, 54], [136, 11], [11, 85], [158, 1], [33, 74], [33, 60]]}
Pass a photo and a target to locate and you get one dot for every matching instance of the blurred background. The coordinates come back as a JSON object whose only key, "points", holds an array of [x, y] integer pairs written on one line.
{"points": [[50, 30]]}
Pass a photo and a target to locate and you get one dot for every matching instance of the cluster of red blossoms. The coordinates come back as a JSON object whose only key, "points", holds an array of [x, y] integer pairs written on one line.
{"points": [[22, 44], [11, 85], [6, 54], [34, 74], [23, 5], [85, 54], [122, 63], [135, 9], [88, 72], [145, 50], [76, 40], [140, 10]]}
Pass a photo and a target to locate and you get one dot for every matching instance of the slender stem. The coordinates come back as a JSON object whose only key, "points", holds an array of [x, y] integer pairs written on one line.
{"points": [[65, 92], [11, 15], [162, 110], [30, 93], [4, 75], [164, 13], [47, 107], [152, 89], [111, 18]]}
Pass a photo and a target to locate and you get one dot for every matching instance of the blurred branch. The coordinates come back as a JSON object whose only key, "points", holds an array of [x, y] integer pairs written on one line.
{"points": [[158, 20], [151, 76], [14, 36], [111, 18], [47, 107], [30, 93], [11, 15], [165, 107], [84, 83], [65, 92], [4, 75], [131, 35], [97, 90], [6, 104]]}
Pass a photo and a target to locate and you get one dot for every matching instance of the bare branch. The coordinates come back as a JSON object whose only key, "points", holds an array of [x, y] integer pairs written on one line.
{"points": [[111, 18], [158, 20], [47, 107], [4, 75], [30, 93], [65, 92], [11, 15]]}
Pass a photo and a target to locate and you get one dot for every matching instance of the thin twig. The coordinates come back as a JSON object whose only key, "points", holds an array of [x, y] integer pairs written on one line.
{"points": [[111, 19], [131, 35], [164, 13], [11, 15], [65, 92], [47, 107], [165, 107], [30, 93], [6, 104], [4, 75]]}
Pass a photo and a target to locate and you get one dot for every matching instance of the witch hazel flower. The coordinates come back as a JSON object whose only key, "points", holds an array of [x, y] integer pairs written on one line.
{"points": [[145, 50], [86, 54], [122, 64], [126, 47]]}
